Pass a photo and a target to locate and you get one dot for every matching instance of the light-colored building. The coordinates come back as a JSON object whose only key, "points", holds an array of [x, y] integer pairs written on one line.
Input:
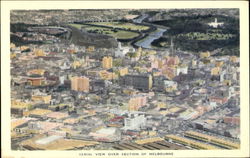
{"points": [[219, 63], [80, 84], [19, 107], [155, 64], [123, 71], [205, 54], [135, 121], [65, 65], [110, 134], [105, 75], [213, 105], [43, 126], [91, 49], [122, 51], [12, 45], [215, 71], [168, 66], [62, 79], [222, 76], [36, 72], [170, 85], [194, 63], [43, 98], [39, 52], [76, 64], [137, 102], [22, 48], [215, 24], [234, 59], [182, 69], [107, 62]]}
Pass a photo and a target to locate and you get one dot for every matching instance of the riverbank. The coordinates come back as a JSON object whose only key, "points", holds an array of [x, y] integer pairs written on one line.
{"points": [[146, 42]]}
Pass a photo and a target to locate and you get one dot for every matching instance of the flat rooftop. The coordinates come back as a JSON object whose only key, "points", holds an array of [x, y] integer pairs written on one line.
{"points": [[50, 143]]}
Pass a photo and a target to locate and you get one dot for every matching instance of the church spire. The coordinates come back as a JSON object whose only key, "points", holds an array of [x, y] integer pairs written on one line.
{"points": [[172, 48]]}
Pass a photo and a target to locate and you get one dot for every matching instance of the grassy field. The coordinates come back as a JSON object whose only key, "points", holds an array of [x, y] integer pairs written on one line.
{"points": [[78, 26], [121, 25], [125, 34], [119, 34], [88, 27]]}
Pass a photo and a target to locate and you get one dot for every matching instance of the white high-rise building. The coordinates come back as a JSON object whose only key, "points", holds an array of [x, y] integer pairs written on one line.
{"points": [[134, 121], [181, 69], [62, 78]]}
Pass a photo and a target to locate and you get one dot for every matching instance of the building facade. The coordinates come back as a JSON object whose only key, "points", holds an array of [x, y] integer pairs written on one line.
{"points": [[107, 62], [135, 122], [80, 84], [141, 82]]}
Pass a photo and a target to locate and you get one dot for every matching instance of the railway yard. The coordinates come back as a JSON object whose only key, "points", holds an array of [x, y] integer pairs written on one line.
{"points": [[191, 140]]}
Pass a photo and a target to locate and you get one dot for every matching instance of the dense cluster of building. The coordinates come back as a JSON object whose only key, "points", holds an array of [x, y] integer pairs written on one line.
{"points": [[47, 17], [66, 96], [91, 97]]}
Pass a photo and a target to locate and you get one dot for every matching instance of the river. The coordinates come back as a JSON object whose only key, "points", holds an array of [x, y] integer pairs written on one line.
{"points": [[146, 42], [140, 19]]}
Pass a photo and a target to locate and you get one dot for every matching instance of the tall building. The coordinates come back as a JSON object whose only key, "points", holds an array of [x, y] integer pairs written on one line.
{"points": [[80, 84], [134, 121], [62, 79], [141, 82], [107, 62]]}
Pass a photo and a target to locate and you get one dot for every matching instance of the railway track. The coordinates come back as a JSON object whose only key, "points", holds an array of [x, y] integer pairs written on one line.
{"points": [[157, 145]]}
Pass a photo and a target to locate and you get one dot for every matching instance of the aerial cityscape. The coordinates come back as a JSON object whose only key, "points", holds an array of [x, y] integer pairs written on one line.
{"points": [[125, 79]]}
